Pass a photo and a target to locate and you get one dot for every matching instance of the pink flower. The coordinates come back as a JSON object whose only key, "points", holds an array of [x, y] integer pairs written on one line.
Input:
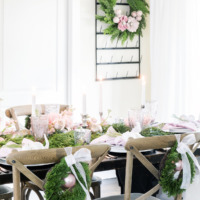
{"points": [[59, 124], [52, 117], [122, 25], [93, 126], [116, 20], [52, 130], [132, 24], [1, 139], [139, 13], [134, 14], [146, 120], [138, 18], [68, 123], [126, 122]]}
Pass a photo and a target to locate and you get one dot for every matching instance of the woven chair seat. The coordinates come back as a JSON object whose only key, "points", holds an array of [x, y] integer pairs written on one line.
{"points": [[121, 197]]}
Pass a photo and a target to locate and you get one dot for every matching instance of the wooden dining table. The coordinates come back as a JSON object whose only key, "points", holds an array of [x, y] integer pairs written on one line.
{"points": [[110, 163]]}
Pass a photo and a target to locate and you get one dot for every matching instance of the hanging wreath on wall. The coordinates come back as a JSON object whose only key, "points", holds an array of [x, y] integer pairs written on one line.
{"points": [[121, 26], [179, 166]]}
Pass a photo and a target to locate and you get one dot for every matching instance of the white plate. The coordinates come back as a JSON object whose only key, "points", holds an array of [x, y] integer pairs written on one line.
{"points": [[121, 149], [181, 130], [3, 162]]}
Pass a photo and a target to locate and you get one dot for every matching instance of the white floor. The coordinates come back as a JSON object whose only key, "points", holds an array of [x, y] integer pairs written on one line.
{"points": [[110, 187]]}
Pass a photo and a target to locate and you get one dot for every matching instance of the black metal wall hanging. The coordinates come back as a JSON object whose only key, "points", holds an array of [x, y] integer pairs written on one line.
{"points": [[115, 61]]}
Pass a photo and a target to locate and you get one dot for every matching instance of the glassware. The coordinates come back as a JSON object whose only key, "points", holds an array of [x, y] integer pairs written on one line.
{"points": [[151, 108], [135, 116], [82, 136], [39, 126], [52, 108]]}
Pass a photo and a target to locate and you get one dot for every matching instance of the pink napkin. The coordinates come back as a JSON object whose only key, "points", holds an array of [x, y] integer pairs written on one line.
{"points": [[186, 125]]}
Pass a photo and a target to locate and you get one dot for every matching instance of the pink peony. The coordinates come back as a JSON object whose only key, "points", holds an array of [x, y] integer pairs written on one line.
{"points": [[138, 18], [59, 124], [146, 120], [52, 117], [118, 12], [1, 139], [132, 24], [139, 13], [116, 20], [122, 26], [134, 14]]}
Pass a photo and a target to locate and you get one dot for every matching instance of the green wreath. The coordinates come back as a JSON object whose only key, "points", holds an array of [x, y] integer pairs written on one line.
{"points": [[55, 180], [121, 26], [170, 185]]}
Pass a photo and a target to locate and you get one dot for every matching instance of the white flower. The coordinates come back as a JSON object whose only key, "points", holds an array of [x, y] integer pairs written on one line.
{"points": [[118, 12], [116, 20], [132, 24]]}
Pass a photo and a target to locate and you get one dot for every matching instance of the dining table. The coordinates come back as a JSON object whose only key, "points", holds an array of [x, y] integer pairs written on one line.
{"points": [[114, 161]]}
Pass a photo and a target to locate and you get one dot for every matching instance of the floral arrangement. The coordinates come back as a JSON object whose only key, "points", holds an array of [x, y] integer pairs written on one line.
{"points": [[122, 26]]}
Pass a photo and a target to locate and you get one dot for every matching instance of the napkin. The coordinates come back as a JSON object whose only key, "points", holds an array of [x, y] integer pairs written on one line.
{"points": [[112, 137], [30, 145], [26, 145]]}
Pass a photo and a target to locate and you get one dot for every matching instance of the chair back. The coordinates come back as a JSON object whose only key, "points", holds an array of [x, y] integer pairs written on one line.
{"points": [[15, 112], [157, 142], [18, 160]]}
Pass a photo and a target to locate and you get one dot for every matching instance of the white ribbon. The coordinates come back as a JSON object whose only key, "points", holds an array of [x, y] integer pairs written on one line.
{"points": [[183, 149], [82, 155]]}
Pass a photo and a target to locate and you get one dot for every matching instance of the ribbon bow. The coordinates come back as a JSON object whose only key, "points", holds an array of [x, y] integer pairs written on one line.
{"points": [[183, 149], [82, 155]]}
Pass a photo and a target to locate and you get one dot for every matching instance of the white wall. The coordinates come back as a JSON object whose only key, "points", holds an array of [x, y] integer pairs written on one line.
{"points": [[119, 95], [33, 51]]}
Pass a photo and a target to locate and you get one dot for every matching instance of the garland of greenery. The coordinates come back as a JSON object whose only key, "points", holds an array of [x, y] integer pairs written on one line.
{"points": [[55, 180], [107, 6], [154, 131], [170, 185]]}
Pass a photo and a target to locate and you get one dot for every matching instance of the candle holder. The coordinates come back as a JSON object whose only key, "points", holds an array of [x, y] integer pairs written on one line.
{"points": [[101, 115], [142, 106], [84, 120]]}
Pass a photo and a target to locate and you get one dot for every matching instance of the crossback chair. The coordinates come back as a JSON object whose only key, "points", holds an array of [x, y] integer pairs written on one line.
{"points": [[133, 147], [18, 160], [15, 112]]}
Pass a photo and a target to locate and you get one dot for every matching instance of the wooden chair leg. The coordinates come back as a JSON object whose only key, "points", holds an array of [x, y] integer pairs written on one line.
{"points": [[128, 180], [16, 183], [26, 191], [97, 191]]}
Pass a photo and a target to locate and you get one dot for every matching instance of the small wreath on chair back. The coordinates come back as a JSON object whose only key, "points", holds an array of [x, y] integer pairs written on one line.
{"points": [[171, 165], [60, 183]]}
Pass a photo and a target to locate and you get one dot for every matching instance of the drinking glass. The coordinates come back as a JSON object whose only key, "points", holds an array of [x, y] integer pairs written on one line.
{"points": [[82, 136], [151, 108], [134, 117], [39, 126]]}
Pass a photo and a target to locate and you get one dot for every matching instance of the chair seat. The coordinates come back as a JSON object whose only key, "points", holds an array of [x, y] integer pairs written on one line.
{"points": [[5, 192], [121, 197]]}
